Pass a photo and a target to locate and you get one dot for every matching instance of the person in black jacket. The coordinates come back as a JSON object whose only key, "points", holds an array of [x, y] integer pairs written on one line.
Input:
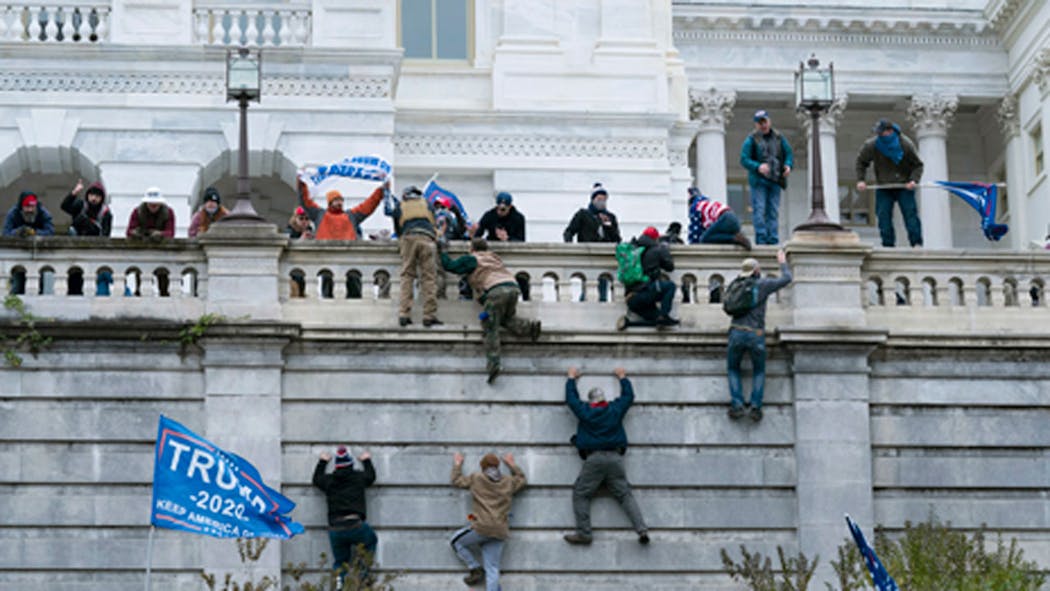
{"points": [[602, 442], [503, 223], [91, 216], [653, 298], [594, 223], [348, 527]]}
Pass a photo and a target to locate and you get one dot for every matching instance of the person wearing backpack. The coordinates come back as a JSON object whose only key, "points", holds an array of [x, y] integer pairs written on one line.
{"points": [[768, 159], [641, 264], [745, 300]]}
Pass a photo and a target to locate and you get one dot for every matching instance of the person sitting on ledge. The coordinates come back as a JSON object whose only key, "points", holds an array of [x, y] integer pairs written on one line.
{"points": [[28, 218], [651, 296], [712, 222]]}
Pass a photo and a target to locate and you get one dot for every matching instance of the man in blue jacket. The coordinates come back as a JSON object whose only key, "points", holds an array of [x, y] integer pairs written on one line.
{"points": [[768, 159], [602, 443]]}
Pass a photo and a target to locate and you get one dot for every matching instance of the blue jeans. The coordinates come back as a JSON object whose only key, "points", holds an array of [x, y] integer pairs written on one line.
{"points": [[905, 199], [765, 212], [653, 301], [722, 231], [344, 546], [743, 342], [466, 541]]}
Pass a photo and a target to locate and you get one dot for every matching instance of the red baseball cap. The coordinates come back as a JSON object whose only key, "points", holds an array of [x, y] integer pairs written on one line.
{"points": [[28, 199], [651, 232]]}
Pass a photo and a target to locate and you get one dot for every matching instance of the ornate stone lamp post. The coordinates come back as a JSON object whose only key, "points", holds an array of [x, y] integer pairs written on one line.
{"points": [[243, 84], [815, 92]]}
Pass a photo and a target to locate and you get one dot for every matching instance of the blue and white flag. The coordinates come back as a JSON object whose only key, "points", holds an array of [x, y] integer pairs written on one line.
{"points": [[984, 198], [881, 579], [433, 190], [345, 176], [202, 489]]}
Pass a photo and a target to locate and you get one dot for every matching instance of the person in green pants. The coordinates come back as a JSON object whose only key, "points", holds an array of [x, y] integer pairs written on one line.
{"points": [[497, 291]]}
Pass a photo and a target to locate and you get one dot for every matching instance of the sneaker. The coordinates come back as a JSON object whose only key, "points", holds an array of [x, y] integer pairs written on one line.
{"points": [[428, 322], [742, 240], [535, 330], [621, 323], [404, 321], [643, 538], [578, 539], [736, 412], [493, 373], [476, 576], [756, 414]]}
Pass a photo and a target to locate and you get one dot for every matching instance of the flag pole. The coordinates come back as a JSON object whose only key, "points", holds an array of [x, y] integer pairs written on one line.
{"points": [[149, 556], [917, 185]]}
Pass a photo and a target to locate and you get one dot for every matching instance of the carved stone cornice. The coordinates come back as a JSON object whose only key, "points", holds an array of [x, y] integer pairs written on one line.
{"points": [[829, 120], [1041, 70], [190, 83], [932, 114], [711, 108], [1001, 12], [1009, 117], [529, 146]]}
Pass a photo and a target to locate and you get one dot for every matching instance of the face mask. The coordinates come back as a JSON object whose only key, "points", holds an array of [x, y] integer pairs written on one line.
{"points": [[599, 204], [492, 473]]}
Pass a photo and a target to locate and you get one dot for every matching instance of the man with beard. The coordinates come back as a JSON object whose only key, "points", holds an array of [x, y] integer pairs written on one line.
{"points": [[28, 218], [91, 215]]}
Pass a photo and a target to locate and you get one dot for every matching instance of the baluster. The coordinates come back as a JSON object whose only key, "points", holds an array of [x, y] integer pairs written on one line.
{"points": [[202, 285], [67, 25], [268, 33], [32, 280], [102, 29], [60, 283], [202, 29], [339, 285], [235, 28], [149, 284], [34, 24], [218, 31], [5, 18], [564, 287], [251, 30], [302, 27], [51, 28], [82, 29], [311, 284]]}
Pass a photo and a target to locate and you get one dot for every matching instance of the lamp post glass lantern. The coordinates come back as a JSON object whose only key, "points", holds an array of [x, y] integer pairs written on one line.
{"points": [[243, 84], [814, 92]]}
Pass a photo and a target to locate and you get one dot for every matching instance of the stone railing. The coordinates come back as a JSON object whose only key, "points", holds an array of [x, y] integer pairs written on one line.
{"points": [[55, 22], [573, 286], [263, 25]]}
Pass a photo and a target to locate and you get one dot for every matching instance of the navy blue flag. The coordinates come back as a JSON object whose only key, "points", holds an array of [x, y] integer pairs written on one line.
{"points": [[882, 579], [984, 198], [202, 489], [432, 191]]}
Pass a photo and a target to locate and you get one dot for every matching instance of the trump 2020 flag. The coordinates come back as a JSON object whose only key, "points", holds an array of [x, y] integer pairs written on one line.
{"points": [[882, 579], [349, 176], [200, 488], [984, 198], [433, 190]]}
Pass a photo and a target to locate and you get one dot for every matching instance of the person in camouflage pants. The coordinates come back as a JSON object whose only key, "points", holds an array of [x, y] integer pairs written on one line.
{"points": [[496, 290]]}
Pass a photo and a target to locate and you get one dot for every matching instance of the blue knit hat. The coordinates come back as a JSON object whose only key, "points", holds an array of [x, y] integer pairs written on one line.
{"points": [[342, 458]]}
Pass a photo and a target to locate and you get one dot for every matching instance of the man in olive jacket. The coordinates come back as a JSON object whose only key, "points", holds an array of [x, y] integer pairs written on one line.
{"points": [[489, 518], [344, 490], [602, 442], [896, 163]]}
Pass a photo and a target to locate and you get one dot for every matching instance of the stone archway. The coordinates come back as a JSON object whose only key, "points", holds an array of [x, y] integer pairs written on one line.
{"points": [[50, 172], [273, 178]]}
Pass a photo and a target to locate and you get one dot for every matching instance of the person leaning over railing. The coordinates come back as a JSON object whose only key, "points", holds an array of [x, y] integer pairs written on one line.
{"points": [[210, 212], [152, 219], [595, 223], [28, 218], [91, 215]]}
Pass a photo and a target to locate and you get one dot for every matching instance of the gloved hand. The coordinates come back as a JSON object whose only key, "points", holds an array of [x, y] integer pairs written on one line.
{"points": [[26, 232]]}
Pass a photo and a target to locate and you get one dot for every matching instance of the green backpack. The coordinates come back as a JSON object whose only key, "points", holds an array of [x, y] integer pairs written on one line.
{"points": [[741, 296], [629, 263]]}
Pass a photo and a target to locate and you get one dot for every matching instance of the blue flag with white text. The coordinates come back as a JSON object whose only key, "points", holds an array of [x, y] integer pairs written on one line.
{"points": [[984, 198], [881, 579], [433, 190], [200, 488]]}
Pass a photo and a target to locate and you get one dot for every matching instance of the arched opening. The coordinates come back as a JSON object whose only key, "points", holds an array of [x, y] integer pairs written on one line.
{"points": [[1010, 292], [550, 287], [353, 284], [875, 296], [902, 291], [955, 292], [297, 283], [984, 292], [50, 173], [929, 292], [47, 281], [381, 285], [1035, 292], [689, 288], [75, 281], [578, 287], [715, 286], [273, 184]]}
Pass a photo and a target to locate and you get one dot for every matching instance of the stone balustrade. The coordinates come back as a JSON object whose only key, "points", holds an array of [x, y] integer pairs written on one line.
{"points": [[55, 22], [573, 286], [262, 25]]}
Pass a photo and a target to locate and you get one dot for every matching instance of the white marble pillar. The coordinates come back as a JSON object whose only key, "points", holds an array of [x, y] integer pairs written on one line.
{"points": [[829, 124], [932, 116], [711, 109], [1010, 124]]}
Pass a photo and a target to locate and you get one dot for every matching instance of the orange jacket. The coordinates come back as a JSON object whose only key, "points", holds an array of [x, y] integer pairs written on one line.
{"points": [[340, 226]]}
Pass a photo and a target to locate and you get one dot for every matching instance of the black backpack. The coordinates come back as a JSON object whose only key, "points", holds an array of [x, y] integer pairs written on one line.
{"points": [[741, 296]]}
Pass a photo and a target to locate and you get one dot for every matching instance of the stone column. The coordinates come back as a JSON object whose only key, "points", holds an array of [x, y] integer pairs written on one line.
{"points": [[712, 110], [829, 123], [829, 347], [678, 141], [932, 116], [1010, 124], [244, 270]]}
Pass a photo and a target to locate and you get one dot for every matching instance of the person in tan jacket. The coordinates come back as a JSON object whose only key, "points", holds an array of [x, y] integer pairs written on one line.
{"points": [[497, 290], [492, 492]]}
